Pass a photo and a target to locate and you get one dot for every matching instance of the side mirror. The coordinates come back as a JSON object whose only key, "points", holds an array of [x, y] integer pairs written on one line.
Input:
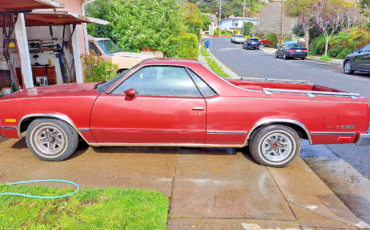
{"points": [[130, 92], [358, 51]]}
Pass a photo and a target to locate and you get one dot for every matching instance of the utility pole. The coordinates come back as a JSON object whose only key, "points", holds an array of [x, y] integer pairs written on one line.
{"points": [[243, 18], [219, 25], [281, 24]]}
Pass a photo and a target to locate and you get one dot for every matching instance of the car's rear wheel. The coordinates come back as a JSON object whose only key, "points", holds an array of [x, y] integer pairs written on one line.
{"points": [[285, 57], [275, 145], [303, 58], [51, 139], [348, 67], [262, 43]]}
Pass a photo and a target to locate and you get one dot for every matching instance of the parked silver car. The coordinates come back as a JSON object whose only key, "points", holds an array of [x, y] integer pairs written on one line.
{"points": [[237, 38]]}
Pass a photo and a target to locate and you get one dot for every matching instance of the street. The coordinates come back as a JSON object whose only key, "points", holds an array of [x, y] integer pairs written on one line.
{"points": [[257, 64]]}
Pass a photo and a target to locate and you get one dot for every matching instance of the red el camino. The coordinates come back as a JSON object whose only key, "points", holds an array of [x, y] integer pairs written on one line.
{"points": [[174, 102]]}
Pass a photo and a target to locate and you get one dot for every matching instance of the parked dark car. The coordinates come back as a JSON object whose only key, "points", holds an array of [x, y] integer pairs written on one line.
{"points": [[357, 61], [251, 43], [292, 51]]}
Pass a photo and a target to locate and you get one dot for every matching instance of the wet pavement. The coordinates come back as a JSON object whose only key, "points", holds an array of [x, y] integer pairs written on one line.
{"points": [[208, 188]]}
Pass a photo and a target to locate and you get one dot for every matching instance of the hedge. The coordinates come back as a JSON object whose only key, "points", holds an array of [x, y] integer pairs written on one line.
{"points": [[183, 46]]}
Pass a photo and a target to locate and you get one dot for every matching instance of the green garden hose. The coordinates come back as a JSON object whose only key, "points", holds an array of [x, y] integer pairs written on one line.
{"points": [[41, 197]]}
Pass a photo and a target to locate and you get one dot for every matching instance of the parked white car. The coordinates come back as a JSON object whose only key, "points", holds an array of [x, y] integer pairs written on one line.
{"points": [[237, 38]]}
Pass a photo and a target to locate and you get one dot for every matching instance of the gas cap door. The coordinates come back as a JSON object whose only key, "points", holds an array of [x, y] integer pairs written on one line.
{"points": [[331, 121]]}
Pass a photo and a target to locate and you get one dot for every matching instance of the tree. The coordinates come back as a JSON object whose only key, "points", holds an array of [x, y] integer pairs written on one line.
{"points": [[302, 9], [352, 18], [206, 22], [270, 21], [193, 19], [364, 5], [136, 24], [328, 15]]}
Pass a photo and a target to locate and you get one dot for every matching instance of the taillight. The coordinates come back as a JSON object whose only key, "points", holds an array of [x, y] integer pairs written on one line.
{"points": [[291, 50], [305, 50]]}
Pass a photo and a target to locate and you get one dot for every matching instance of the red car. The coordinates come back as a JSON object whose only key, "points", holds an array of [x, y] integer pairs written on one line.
{"points": [[264, 41], [178, 102]]}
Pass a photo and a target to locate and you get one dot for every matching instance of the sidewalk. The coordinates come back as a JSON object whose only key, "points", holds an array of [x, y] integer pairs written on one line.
{"points": [[208, 188], [335, 62]]}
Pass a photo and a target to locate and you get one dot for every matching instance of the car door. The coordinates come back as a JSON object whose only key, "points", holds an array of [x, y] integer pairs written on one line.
{"points": [[167, 108], [361, 60]]}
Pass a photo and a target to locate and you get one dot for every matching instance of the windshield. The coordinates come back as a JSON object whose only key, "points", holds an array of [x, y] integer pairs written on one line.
{"points": [[239, 36], [109, 46], [103, 87]]}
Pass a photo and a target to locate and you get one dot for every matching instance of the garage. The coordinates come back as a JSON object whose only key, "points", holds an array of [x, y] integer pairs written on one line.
{"points": [[40, 44]]}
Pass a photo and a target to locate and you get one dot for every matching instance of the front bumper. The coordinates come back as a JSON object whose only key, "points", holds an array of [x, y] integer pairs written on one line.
{"points": [[363, 139]]}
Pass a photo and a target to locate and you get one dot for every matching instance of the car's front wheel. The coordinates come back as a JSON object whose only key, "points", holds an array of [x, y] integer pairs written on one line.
{"points": [[51, 139], [348, 67], [275, 145], [276, 55]]}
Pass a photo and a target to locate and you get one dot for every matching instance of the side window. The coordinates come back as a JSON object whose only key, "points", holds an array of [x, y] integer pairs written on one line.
{"points": [[160, 81], [93, 47], [207, 91]]}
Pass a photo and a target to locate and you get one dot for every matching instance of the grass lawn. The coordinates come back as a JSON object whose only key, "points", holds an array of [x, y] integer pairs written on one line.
{"points": [[216, 68], [87, 209]]}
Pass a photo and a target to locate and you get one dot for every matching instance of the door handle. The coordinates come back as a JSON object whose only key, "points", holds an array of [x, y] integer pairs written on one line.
{"points": [[198, 108]]}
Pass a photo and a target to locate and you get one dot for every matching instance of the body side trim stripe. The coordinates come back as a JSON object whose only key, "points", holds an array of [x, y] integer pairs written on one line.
{"points": [[226, 132], [9, 127], [332, 133], [84, 130]]}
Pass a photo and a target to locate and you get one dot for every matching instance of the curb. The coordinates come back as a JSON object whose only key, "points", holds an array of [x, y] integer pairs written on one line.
{"points": [[232, 74]]}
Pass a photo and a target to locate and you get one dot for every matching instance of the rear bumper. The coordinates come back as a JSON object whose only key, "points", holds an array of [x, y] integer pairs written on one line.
{"points": [[363, 139], [300, 55], [253, 46]]}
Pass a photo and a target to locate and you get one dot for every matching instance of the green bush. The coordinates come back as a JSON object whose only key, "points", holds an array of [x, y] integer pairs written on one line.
{"points": [[272, 38], [341, 44], [137, 24], [325, 58], [183, 46], [97, 69]]}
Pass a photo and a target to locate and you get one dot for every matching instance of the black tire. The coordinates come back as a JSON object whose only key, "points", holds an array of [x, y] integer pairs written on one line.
{"points": [[285, 57], [43, 133], [347, 67], [303, 58], [262, 43], [276, 55], [260, 138]]}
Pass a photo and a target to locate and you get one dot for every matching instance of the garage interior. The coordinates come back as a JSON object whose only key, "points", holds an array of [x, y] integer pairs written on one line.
{"points": [[39, 45]]}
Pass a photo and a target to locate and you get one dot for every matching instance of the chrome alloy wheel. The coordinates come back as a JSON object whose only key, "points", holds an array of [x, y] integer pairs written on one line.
{"points": [[49, 139], [277, 146], [347, 67]]}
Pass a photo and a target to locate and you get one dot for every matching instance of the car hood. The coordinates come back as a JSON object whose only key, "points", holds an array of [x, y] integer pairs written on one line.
{"points": [[133, 55], [63, 90]]}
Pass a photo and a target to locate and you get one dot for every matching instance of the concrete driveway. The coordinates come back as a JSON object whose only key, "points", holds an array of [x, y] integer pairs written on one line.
{"points": [[208, 188]]}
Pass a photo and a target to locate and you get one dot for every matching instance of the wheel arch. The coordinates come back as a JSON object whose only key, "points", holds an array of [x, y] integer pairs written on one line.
{"points": [[300, 128], [26, 120], [348, 59]]}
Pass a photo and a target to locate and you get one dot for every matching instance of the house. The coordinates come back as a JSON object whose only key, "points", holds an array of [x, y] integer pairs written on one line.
{"points": [[236, 23], [45, 40]]}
